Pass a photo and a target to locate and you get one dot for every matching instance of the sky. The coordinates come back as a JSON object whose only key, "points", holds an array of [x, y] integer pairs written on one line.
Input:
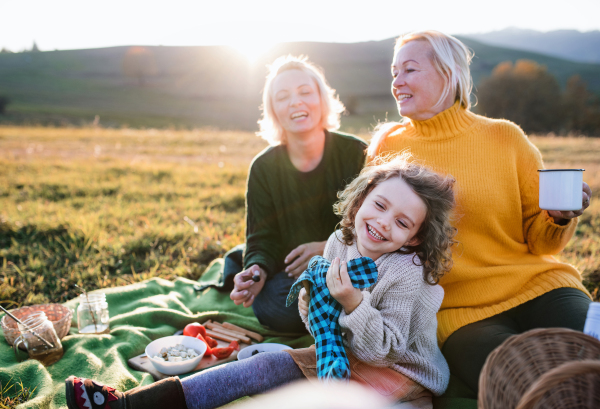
{"points": [[254, 25]]}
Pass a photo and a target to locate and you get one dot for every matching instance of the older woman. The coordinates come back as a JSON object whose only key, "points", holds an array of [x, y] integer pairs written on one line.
{"points": [[504, 280], [292, 186]]}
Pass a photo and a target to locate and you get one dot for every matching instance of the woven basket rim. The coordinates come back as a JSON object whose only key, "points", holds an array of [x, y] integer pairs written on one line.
{"points": [[522, 358]]}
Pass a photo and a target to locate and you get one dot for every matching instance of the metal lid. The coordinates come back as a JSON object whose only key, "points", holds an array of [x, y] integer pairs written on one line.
{"points": [[560, 170]]}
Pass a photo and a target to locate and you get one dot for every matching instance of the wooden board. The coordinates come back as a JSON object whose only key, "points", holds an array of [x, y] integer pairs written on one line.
{"points": [[142, 363]]}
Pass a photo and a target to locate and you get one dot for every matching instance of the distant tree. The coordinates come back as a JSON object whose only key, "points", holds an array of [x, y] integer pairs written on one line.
{"points": [[139, 63], [4, 101], [582, 108], [34, 48], [5, 50], [525, 93]]}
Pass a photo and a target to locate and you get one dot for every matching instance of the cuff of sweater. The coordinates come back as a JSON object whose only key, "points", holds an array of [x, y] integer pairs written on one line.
{"points": [[360, 317], [559, 227]]}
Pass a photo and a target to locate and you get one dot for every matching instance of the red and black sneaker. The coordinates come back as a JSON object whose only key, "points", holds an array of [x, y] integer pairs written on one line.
{"points": [[84, 393]]}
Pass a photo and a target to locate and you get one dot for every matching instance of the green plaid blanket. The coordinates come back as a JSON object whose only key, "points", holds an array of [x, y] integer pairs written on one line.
{"points": [[139, 313]]}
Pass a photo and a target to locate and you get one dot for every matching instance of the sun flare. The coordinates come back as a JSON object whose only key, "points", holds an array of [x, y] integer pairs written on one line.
{"points": [[252, 49]]}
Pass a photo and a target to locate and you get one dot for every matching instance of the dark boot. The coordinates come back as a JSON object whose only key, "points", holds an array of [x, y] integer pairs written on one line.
{"points": [[84, 393]]}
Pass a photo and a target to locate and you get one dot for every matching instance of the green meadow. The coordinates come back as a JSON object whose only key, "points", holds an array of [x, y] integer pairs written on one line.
{"points": [[108, 207]]}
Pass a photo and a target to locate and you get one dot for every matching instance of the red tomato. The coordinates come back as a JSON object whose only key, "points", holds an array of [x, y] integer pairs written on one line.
{"points": [[209, 350], [193, 329], [211, 342], [222, 353]]}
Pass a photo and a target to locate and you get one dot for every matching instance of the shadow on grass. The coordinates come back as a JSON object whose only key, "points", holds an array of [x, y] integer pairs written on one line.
{"points": [[40, 264]]}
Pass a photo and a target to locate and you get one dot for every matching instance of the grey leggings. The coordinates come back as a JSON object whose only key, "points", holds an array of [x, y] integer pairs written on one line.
{"points": [[225, 383]]}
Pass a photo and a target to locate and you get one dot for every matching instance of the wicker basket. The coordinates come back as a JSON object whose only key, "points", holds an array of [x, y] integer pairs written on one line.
{"points": [[58, 314], [542, 368]]}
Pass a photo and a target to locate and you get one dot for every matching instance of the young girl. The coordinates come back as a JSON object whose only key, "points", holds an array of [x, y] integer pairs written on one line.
{"points": [[397, 213]]}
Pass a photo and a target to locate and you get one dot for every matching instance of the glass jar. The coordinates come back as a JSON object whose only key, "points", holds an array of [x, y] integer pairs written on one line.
{"points": [[39, 339], [92, 314]]}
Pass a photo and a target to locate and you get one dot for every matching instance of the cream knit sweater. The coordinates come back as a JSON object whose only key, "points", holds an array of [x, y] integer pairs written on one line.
{"points": [[395, 324]]}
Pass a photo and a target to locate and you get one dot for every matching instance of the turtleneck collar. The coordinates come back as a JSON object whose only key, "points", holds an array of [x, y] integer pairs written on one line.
{"points": [[451, 122]]}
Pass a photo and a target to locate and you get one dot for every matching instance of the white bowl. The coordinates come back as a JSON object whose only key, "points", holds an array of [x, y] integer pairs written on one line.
{"points": [[267, 347], [175, 368]]}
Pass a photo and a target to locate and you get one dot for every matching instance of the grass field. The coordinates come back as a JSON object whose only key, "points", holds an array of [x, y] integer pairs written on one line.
{"points": [[101, 208]]}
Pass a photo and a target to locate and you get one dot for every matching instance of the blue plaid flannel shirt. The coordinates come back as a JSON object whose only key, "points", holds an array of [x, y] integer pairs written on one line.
{"points": [[324, 312]]}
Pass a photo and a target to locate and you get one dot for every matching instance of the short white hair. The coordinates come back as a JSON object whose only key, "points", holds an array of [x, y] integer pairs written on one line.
{"points": [[331, 107], [451, 59]]}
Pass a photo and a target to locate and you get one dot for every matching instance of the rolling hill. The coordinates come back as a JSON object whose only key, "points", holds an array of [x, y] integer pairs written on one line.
{"points": [[568, 44], [214, 86]]}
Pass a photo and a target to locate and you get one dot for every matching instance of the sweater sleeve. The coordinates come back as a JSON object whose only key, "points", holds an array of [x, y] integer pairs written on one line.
{"points": [[379, 334], [263, 240], [543, 236]]}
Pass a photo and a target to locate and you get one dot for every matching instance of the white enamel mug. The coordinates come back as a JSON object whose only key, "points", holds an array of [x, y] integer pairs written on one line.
{"points": [[561, 189]]}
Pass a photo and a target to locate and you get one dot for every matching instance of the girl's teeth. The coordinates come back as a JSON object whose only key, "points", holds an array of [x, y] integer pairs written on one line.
{"points": [[372, 232]]}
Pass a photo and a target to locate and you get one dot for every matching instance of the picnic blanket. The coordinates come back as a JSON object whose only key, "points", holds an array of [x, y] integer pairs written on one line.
{"points": [[139, 313]]}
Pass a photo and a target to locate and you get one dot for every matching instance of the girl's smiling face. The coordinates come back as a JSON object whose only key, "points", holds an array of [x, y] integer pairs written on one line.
{"points": [[389, 218]]}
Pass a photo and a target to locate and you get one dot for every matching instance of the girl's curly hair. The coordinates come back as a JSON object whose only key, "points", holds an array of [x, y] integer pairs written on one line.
{"points": [[436, 234]]}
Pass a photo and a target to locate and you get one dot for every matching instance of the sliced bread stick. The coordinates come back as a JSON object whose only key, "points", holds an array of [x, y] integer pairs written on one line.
{"points": [[219, 328], [250, 334], [225, 331], [222, 337]]}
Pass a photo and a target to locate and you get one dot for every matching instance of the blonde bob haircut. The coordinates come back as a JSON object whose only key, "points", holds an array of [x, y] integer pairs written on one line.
{"points": [[451, 59], [331, 107]]}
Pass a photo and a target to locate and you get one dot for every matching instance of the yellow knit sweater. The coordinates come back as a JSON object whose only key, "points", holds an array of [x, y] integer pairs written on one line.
{"points": [[506, 241]]}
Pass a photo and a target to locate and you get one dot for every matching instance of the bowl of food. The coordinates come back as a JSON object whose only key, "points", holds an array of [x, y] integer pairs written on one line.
{"points": [[175, 355], [258, 348]]}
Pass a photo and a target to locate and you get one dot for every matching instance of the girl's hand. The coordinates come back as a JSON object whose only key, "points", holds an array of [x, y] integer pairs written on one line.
{"points": [[301, 255], [563, 218], [244, 288], [340, 287], [303, 301]]}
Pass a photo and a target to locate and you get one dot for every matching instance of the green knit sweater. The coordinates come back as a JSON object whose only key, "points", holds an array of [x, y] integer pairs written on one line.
{"points": [[286, 207]]}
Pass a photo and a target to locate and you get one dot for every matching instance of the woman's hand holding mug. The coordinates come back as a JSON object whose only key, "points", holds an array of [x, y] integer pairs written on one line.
{"points": [[560, 216], [563, 193]]}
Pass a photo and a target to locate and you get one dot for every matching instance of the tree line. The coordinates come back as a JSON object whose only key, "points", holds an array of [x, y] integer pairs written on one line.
{"points": [[527, 94]]}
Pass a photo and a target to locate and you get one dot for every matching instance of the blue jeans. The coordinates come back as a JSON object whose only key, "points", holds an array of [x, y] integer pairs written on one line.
{"points": [[269, 306]]}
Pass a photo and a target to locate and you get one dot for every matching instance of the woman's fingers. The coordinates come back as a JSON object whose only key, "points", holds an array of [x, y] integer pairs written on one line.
{"points": [[249, 301], [299, 257], [244, 288], [294, 253], [238, 297], [298, 266], [587, 196]]}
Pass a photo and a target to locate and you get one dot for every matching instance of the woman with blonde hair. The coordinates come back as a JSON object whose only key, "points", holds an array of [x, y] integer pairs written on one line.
{"points": [[292, 187], [504, 280]]}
